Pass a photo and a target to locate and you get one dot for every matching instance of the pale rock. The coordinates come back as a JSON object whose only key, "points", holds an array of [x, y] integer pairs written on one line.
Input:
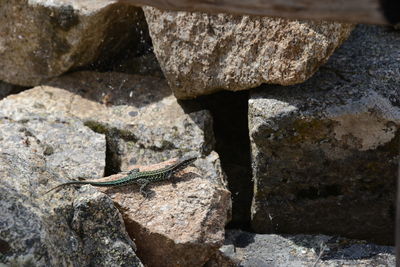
{"points": [[143, 121], [69, 148], [203, 53]]}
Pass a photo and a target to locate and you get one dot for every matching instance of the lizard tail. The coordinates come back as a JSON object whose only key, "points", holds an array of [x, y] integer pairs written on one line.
{"points": [[62, 185]]}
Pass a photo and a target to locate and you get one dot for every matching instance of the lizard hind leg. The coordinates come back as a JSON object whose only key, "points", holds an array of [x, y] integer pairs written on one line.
{"points": [[143, 184]]}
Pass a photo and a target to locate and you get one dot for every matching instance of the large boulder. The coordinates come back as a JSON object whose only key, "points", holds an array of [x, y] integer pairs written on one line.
{"points": [[45, 230], [181, 221], [325, 153], [202, 53]]}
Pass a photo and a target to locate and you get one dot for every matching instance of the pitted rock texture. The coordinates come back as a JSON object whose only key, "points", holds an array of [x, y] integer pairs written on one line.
{"points": [[180, 219], [180, 223], [325, 153], [143, 121], [304, 250], [69, 148], [42, 39], [201, 53], [53, 230]]}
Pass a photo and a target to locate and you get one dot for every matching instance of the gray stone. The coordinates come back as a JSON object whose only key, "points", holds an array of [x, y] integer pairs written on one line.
{"points": [[42, 39], [74, 229], [144, 124], [306, 250], [69, 148], [325, 153], [143, 121], [202, 53]]}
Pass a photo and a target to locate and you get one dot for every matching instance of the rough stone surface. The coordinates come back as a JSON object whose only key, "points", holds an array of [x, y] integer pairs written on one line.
{"points": [[225, 257], [201, 53], [53, 230], [142, 119], [304, 250], [325, 153], [182, 219], [41, 39], [180, 223], [69, 148]]}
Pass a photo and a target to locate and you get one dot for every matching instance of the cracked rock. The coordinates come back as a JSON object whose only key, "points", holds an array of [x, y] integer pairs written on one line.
{"points": [[54, 230], [325, 153]]}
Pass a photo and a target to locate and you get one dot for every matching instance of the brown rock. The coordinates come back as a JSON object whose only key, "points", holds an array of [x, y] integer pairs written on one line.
{"points": [[180, 223], [201, 53], [41, 39]]}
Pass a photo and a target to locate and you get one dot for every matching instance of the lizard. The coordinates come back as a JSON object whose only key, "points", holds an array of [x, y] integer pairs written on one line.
{"points": [[143, 178]]}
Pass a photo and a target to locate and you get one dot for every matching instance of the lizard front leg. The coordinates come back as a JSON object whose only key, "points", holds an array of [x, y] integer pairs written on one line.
{"points": [[131, 171]]}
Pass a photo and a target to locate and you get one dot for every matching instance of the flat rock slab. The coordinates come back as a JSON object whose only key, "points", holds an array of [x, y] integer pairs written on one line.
{"points": [[42, 39], [325, 153], [54, 230], [182, 220], [202, 53], [304, 250]]}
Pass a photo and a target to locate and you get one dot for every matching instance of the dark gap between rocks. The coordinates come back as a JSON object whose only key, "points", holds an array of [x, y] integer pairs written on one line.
{"points": [[7, 89], [230, 124], [136, 55], [113, 160], [391, 10]]}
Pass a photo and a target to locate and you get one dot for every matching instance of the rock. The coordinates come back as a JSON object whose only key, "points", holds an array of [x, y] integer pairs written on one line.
{"points": [[225, 257], [306, 250], [42, 39], [180, 223], [325, 153], [48, 230], [69, 148], [144, 124], [143, 121], [201, 53]]}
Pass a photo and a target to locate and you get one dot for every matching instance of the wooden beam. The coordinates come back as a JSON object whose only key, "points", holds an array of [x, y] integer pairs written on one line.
{"points": [[354, 11]]}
